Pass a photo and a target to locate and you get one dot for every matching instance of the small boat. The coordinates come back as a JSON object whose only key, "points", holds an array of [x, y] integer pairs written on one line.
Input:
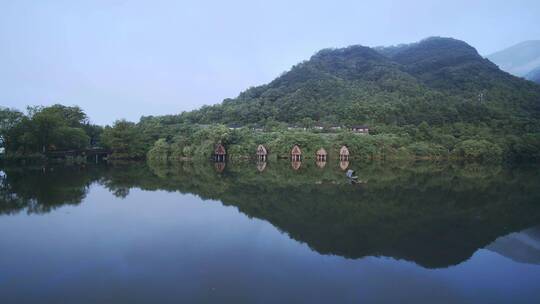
{"points": [[350, 174]]}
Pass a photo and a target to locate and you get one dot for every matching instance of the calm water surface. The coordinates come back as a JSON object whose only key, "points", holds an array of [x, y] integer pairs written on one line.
{"points": [[190, 233]]}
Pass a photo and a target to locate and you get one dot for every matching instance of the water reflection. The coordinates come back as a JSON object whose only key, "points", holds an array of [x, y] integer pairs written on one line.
{"points": [[320, 163], [521, 247], [42, 190], [261, 165], [220, 166], [436, 215]]}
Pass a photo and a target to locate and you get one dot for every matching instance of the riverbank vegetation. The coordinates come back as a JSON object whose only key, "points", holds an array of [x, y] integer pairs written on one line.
{"points": [[40, 130], [56, 128]]}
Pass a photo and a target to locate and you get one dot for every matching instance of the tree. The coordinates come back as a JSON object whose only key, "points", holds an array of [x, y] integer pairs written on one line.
{"points": [[307, 122], [71, 138], [44, 129], [125, 139], [9, 118], [72, 116], [43, 133]]}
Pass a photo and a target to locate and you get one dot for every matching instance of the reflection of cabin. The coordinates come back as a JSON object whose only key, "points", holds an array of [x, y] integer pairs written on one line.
{"points": [[261, 165], [344, 153], [219, 153], [296, 153], [220, 166], [296, 164], [321, 155], [320, 163], [360, 129], [261, 153], [344, 164]]}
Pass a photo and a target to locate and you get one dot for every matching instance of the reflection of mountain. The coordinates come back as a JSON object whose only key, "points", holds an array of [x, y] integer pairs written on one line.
{"points": [[435, 215], [431, 217], [523, 247]]}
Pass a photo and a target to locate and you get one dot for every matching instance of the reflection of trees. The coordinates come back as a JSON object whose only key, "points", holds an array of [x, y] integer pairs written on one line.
{"points": [[40, 190], [434, 214], [121, 177], [10, 202]]}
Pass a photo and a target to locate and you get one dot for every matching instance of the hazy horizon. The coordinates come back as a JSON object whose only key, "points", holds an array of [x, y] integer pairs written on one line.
{"points": [[125, 59]]}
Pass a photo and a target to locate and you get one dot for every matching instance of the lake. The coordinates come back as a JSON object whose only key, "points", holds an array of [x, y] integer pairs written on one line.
{"points": [[270, 233]]}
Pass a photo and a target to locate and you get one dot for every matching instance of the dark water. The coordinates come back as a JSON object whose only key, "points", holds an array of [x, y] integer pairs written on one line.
{"points": [[190, 233]]}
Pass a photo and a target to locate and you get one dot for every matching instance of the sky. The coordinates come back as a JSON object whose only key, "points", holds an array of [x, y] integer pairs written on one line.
{"points": [[124, 59]]}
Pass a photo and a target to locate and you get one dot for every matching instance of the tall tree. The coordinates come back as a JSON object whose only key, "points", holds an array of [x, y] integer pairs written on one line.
{"points": [[125, 139]]}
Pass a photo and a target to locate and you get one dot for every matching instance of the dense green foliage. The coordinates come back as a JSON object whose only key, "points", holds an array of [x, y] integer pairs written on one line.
{"points": [[45, 129], [437, 98], [125, 139], [440, 81]]}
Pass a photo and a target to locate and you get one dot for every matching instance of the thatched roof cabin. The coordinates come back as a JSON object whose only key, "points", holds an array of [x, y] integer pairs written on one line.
{"points": [[261, 152], [220, 150], [219, 153], [321, 155]]}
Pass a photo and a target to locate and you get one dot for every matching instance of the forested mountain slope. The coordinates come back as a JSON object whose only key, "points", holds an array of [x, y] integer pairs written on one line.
{"points": [[436, 98], [437, 80]]}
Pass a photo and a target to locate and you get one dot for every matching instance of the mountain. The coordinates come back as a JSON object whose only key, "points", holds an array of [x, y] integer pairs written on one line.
{"points": [[520, 59], [534, 75], [437, 80], [447, 64], [430, 99]]}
